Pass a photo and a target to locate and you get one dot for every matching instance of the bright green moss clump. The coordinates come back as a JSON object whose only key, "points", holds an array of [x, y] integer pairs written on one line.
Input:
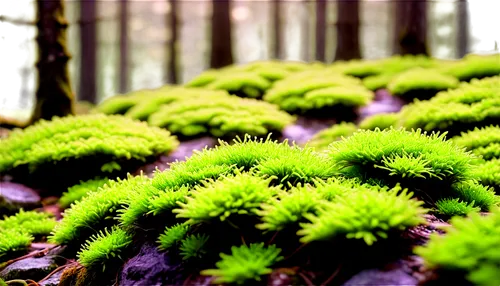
{"points": [[380, 120], [471, 105], [318, 90], [227, 116], [420, 83], [326, 136], [414, 159], [97, 211], [120, 104], [77, 192], [92, 144], [470, 249], [19, 230], [474, 67]]}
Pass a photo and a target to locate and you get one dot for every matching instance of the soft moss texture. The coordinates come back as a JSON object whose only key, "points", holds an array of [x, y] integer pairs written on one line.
{"points": [[473, 66], [98, 138], [415, 159], [470, 249], [420, 83], [325, 137], [316, 90], [77, 192], [19, 230], [484, 142], [226, 116], [471, 105], [380, 120]]}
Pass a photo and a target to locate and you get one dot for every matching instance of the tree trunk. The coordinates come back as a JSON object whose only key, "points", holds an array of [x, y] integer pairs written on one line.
{"points": [[221, 51], [88, 50], [306, 42], [54, 96], [277, 37], [123, 65], [463, 28], [171, 71], [320, 30], [411, 27], [347, 30]]}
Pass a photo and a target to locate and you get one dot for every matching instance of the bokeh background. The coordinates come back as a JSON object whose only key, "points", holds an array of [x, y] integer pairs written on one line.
{"points": [[123, 45]]}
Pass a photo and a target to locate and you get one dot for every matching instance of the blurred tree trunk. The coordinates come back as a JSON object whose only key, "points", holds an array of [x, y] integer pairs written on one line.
{"points": [[306, 42], [320, 30], [463, 28], [88, 50], [123, 65], [410, 27], [221, 51], [54, 96], [277, 37], [347, 30], [171, 72]]}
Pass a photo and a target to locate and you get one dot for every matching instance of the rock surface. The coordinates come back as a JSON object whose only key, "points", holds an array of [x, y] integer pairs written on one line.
{"points": [[14, 196], [53, 280], [151, 267], [29, 268], [377, 277]]}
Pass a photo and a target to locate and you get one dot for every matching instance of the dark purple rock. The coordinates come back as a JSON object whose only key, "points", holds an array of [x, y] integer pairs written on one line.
{"points": [[305, 128], [151, 267], [378, 277], [384, 103], [14, 196]]}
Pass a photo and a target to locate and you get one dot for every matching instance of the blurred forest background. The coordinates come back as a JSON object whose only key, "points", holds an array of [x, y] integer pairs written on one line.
{"points": [[123, 45]]}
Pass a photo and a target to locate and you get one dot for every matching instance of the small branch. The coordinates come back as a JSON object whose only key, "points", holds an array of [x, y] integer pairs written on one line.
{"points": [[39, 253], [4, 18], [307, 280], [329, 280], [56, 270]]}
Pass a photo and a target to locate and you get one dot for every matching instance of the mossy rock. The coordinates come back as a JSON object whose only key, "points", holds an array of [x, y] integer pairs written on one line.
{"points": [[46, 154], [320, 93], [420, 83], [221, 117]]}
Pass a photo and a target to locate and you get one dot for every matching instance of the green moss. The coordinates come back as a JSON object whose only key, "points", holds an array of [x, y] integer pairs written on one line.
{"points": [[380, 120], [194, 246], [87, 142], [77, 192], [325, 137], [246, 263], [96, 212], [173, 236], [221, 117], [368, 215], [225, 198], [454, 207], [120, 104], [414, 159], [474, 67], [105, 249], [318, 89], [484, 142], [19, 230], [469, 106], [420, 83], [376, 82], [152, 104], [245, 84], [470, 249], [488, 173]]}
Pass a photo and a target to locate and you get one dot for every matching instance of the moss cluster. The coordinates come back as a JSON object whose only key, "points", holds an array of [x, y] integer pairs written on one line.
{"points": [[319, 91], [120, 104], [92, 144], [261, 200], [470, 249], [423, 163], [473, 66], [485, 143], [224, 116], [420, 83], [19, 230], [79, 191], [474, 104], [248, 80]]}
